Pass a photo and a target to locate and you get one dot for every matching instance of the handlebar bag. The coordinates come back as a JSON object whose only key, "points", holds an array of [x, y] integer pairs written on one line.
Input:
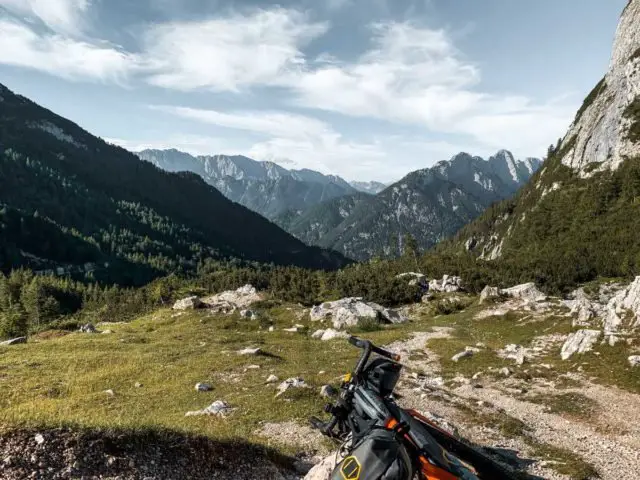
{"points": [[379, 456]]}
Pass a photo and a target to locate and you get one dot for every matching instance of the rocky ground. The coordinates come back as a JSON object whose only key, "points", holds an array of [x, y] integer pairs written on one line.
{"points": [[548, 386], [71, 454]]}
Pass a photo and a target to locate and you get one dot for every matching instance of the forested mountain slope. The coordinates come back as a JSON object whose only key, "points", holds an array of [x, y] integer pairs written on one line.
{"points": [[70, 199], [430, 205], [579, 217]]}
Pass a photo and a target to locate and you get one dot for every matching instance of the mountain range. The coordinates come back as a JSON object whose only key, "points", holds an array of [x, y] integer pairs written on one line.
{"points": [[578, 218], [264, 187], [360, 219], [429, 204], [71, 202]]}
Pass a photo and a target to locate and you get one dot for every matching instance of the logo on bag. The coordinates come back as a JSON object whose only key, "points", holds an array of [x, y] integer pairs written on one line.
{"points": [[350, 469]]}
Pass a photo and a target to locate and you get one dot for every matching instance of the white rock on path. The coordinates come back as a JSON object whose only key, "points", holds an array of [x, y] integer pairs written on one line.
{"points": [[189, 303], [581, 341], [518, 353]]}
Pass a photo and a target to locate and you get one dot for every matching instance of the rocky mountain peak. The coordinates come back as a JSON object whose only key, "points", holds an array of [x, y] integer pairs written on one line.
{"points": [[601, 136]]}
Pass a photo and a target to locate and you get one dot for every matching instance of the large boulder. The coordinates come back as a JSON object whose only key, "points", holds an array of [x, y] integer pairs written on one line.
{"points": [[349, 312], [626, 300], [414, 278], [489, 293], [189, 303], [448, 284], [527, 292], [583, 309], [581, 341], [231, 300]]}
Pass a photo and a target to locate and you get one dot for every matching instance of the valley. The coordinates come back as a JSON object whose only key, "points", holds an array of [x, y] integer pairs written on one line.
{"points": [[165, 315]]}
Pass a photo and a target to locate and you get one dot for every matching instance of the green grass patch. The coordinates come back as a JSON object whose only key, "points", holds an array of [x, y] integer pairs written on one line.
{"points": [[564, 461], [61, 379], [571, 404]]}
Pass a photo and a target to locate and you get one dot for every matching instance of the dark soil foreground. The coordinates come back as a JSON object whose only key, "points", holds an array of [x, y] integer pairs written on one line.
{"points": [[68, 453]]}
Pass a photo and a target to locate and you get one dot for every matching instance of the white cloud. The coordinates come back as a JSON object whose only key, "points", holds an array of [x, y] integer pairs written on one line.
{"points": [[229, 53], [416, 76], [273, 123], [61, 56], [303, 141], [193, 144], [59, 15]]}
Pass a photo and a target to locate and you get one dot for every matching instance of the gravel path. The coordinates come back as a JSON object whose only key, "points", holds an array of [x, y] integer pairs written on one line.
{"points": [[610, 440]]}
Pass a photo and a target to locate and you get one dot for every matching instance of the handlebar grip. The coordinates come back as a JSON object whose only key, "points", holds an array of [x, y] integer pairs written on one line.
{"points": [[356, 342], [386, 353]]}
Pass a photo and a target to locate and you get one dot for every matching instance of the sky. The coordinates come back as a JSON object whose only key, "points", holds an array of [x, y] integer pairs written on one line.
{"points": [[367, 89]]}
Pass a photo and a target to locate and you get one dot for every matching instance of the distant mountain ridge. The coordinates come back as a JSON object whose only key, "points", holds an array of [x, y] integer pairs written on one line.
{"points": [[430, 204], [372, 188], [264, 187]]}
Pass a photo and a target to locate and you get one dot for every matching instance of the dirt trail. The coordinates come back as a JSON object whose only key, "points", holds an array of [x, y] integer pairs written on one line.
{"points": [[610, 440]]}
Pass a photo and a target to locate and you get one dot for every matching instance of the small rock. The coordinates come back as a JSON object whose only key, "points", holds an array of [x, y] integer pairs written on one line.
{"points": [[8, 460], [322, 372], [14, 341], [467, 352], [138, 385], [272, 379], [107, 332], [634, 360], [110, 392], [250, 351], [88, 328], [434, 382], [203, 387], [506, 372], [218, 408], [290, 330], [295, 382], [39, 439], [476, 376], [327, 391], [272, 329], [254, 367]]}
